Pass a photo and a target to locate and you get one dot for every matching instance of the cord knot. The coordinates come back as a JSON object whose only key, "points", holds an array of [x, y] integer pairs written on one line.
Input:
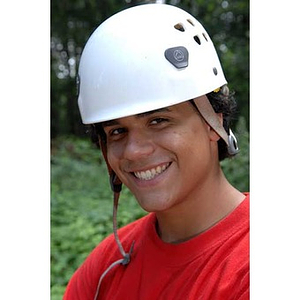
{"points": [[126, 259]]}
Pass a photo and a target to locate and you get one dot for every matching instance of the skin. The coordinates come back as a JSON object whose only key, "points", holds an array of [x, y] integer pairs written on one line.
{"points": [[192, 194]]}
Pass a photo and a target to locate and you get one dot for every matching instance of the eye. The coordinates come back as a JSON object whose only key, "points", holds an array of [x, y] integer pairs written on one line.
{"points": [[116, 131], [158, 121]]}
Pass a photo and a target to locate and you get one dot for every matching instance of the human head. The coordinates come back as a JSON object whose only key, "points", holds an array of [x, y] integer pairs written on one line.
{"points": [[223, 102], [148, 57]]}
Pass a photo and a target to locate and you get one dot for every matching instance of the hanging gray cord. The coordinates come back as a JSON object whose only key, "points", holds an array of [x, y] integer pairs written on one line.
{"points": [[126, 256]]}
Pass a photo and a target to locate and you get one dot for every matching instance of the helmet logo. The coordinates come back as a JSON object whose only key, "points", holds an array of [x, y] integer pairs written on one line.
{"points": [[177, 56]]}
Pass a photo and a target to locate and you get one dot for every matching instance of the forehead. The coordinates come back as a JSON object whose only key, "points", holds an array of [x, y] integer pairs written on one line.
{"points": [[168, 109]]}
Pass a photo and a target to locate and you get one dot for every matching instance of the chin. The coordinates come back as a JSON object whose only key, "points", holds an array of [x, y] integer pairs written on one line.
{"points": [[155, 203]]}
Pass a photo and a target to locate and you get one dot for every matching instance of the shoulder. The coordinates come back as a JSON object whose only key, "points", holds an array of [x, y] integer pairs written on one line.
{"points": [[235, 263], [86, 278], [108, 251], [236, 238], [230, 256]]}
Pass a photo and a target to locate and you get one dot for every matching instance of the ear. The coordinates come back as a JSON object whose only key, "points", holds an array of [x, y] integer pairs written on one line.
{"points": [[214, 137]]}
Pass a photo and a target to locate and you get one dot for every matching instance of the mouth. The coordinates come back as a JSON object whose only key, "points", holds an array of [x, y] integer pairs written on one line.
{"points": [[151, 173]]}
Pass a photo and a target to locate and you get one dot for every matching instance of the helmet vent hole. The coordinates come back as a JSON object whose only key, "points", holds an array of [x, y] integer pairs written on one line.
{"points": [[179, 27], [196, 38], [215, 71], [204, 35], [190, 21]]}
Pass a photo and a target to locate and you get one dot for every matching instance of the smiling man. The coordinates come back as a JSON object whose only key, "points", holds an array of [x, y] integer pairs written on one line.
{"points": [[152, 87]]}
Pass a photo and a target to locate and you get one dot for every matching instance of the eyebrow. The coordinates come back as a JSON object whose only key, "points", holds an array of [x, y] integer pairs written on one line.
{"points": [[141, 115], [148, 113]]}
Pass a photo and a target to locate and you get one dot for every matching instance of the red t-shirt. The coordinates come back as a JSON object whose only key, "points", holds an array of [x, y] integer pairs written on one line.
{"points": [[211, 266]]}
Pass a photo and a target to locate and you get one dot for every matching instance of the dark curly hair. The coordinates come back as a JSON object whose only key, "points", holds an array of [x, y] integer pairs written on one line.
{"points": [[222, 101]]}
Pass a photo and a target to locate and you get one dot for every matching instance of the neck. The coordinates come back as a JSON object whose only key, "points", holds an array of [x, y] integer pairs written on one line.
{"points": [[204, 208]]}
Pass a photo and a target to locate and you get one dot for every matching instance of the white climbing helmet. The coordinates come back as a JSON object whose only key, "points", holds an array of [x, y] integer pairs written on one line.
{"points": [[145, 58]]}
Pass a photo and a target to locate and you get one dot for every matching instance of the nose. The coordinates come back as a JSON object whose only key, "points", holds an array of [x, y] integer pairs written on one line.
{"points": [[138, 145]]}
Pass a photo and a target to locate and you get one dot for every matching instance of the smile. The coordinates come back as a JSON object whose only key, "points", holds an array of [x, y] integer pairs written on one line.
{"points": [[152, 173]]}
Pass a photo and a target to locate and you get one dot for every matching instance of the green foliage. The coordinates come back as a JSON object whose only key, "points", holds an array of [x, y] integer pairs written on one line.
{"points": [[81, 207], [81, 202], [227, 22], [237, 169]]}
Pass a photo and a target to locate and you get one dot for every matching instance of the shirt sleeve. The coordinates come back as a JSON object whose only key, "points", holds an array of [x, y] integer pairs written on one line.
{"points": [[79, 287], [83, 283]]}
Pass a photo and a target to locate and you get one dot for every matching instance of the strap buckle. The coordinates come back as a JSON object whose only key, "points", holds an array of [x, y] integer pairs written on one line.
{"points": [[232, 147]]}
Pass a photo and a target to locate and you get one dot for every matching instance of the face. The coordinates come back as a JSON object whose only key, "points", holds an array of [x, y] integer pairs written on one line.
{"points": [[164, 157]]}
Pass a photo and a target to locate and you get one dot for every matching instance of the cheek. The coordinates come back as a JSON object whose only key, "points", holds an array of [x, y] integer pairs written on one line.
{"points": [[192, 150], [113, 155], [189, 140]]}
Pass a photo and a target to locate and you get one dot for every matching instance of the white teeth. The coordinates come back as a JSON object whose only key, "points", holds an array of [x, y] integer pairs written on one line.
{"points": [[150, 174]]}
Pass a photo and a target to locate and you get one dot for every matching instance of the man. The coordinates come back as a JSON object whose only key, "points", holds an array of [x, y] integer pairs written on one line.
{"points": [[152, 86]]}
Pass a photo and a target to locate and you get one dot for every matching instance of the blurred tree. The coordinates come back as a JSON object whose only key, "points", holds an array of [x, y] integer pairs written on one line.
{"points": [[227, 22], [72, 22]]}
